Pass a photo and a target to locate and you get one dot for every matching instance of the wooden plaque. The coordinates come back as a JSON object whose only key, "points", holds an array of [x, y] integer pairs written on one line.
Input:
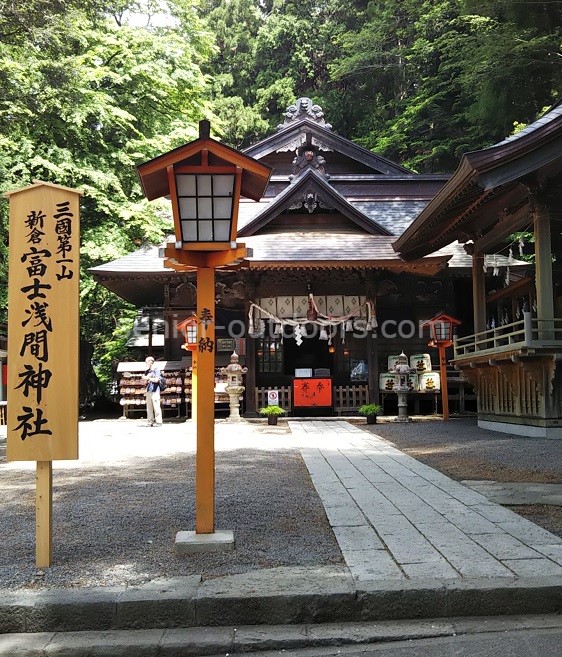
{"points": [[43, 323]]}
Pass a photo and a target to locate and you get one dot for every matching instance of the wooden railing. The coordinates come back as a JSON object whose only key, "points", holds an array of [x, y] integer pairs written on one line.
{"points": [[349, 398], [284, 397], [527, 332]]}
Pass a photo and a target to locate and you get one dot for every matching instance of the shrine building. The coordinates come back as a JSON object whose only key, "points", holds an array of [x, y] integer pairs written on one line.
{"points": [[332, 290]]}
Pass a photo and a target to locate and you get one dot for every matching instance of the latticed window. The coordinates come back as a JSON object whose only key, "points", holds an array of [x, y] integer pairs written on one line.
{"points": [[269, 355]]}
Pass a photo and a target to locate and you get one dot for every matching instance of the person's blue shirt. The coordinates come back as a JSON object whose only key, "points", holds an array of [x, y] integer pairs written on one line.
{"points": [[152, 386]]}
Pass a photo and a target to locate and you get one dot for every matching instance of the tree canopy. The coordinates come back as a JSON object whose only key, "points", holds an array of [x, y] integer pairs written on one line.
{"points": [[91, 88]]}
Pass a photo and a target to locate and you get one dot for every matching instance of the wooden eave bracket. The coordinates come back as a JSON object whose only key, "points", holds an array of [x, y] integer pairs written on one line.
{"points": [[181, 260]]}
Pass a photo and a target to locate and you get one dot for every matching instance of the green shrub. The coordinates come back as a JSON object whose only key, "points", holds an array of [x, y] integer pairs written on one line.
{"points": [[370, 409], [271, 410]]}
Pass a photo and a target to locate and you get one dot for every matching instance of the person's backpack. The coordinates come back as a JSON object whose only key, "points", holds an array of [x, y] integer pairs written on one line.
{"points": [[162, 383]]}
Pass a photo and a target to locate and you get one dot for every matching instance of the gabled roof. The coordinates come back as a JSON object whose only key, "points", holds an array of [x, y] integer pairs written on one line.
{"points": [[306, 130], [487, 186], [311, 182]]}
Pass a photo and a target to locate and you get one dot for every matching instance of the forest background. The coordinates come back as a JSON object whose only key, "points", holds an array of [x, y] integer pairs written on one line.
{"points": [[91, 88]]}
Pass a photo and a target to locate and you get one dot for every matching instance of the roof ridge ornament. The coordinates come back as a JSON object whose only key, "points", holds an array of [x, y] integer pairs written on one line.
{"points": [[304, 109]]}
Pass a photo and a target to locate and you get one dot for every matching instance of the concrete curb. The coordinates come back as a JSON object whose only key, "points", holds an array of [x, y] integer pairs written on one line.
{"points": [[189, 642], [278, 596]]}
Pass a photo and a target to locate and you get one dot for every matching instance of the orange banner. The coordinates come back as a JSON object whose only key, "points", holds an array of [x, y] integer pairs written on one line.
{"points": [[312, 392]]}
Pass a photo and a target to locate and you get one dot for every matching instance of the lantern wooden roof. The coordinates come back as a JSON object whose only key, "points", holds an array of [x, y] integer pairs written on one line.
{"points": [[154, 175], [442, 317]]}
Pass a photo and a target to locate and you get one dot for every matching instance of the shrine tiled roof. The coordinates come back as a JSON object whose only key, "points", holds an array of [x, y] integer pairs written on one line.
{"points": [[395, 216], [297, 247]]}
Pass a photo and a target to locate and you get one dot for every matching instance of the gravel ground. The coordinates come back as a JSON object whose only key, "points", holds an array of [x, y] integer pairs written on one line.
{"points": [[117, 510], [461, 450]]}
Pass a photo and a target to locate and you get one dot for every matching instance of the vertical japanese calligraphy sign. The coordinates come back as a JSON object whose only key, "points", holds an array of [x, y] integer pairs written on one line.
{"points": [[43, 323]]}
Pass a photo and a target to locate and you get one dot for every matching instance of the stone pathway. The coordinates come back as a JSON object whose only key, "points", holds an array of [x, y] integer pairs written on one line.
{"points": [[395, 517], [516, 493]]}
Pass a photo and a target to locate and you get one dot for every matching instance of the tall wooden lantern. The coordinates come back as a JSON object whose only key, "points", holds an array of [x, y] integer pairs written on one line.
{"points": [[204, 180], [441, 329]]}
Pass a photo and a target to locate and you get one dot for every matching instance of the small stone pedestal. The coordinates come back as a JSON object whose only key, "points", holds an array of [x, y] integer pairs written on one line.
{"points": [[402, 406], [403, 370], [234, 387], [234, 393], [191, 542]]}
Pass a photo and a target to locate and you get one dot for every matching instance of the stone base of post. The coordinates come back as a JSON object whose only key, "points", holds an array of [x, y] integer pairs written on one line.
{"points": [[402, 408], [191, 542], [234, 393]]}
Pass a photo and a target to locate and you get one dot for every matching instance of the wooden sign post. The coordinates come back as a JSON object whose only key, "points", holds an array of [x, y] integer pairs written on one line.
{"points": [[43, 348]]}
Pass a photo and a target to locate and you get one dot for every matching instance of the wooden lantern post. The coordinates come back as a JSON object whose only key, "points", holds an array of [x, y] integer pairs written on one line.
{"points": [[441, 329], [204, 180]]}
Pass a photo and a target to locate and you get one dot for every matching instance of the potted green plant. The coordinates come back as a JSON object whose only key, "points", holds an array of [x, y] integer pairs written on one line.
{"points": [[272, 413], [370, 411]]}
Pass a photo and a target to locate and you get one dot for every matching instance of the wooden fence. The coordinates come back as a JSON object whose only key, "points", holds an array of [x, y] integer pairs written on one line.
{"points": [[347, 399]]}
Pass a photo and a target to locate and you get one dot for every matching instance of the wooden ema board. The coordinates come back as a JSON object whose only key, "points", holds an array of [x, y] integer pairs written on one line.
{"points": [[43, 324], [312, 392]]}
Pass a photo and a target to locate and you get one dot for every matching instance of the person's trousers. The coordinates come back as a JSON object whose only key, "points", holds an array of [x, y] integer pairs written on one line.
{"points": [[153, 410]]}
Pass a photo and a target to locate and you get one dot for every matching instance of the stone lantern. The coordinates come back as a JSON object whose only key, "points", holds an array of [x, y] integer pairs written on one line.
{"points": [[234, 387], [403, 369]]}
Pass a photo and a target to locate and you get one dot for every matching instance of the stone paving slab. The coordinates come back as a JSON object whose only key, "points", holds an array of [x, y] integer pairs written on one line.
{"points": [[199, 641], [517, 493], [280, 596], [428, 525]]}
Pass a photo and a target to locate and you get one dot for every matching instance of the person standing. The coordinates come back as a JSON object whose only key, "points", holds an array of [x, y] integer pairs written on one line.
{"points": [[152, 378]]}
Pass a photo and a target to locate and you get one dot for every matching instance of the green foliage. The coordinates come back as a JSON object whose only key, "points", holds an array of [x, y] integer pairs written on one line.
{"points": [[441, 78], [369, 409], [271, 410], [86, 97]]}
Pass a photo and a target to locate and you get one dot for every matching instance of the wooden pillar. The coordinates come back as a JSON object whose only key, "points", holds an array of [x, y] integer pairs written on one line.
{"points": [[169, 320], [251, 373], [479, 292], [205, 382], [443, 373], [543, 263], [44, 514], [372, 347], [194, 386], [250, 392]]}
